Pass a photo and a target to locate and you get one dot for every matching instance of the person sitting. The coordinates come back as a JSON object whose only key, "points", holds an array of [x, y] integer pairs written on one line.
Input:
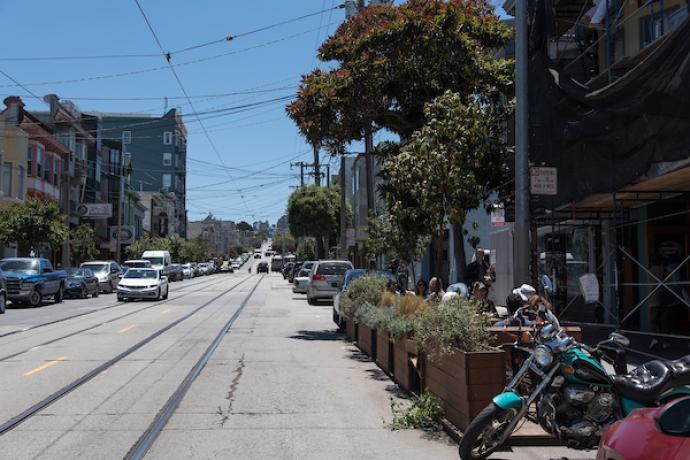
{"points": [[421, 289], [435, 290], [479, 294], [516, 316]]}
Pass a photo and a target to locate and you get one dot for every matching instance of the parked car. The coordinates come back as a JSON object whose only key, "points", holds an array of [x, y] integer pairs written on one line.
{"points": [[262, 267], [307, 265], [235, 265], [32, 279], [195, 269], [287, 268], [108, 273], [187, 271], [300, 282], [326, 278], [81, 283], [294, 270], [350, 276], [276, 264], [3, 293], [143, 283], [175, 272]]}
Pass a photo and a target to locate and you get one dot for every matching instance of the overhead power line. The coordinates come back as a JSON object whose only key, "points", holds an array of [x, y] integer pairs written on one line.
{"points": [[226, 38]]}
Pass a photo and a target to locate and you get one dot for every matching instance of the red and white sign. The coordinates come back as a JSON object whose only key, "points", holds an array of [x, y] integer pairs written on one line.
{"points": [[543, 181], [498, 216]]}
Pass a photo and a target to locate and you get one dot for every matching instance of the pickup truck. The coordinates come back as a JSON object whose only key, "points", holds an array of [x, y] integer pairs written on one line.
{"points": [[30, 280]]}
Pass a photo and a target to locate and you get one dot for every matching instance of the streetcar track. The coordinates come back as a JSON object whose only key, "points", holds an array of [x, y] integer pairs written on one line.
{"points": [[70, 387], [146, 440], [78, 315], [97, 325]]}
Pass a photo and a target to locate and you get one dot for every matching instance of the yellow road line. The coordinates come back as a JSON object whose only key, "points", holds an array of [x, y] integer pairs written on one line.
{"points": [[125, 329], [45, 366], [166, 311]]}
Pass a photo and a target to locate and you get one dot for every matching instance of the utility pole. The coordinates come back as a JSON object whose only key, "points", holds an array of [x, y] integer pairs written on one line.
{"points": [[301, 171], [317, 167], [328, 176], [369, 166], [343, 209], [521, 246]]}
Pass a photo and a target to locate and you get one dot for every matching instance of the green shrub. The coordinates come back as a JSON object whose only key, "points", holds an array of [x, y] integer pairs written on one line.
{"points": [[455, 326], [364, 290], [424, 412], [374, 317], [400, 326]]}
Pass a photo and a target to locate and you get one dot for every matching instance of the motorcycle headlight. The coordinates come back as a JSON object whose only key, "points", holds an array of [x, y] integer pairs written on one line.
{"points": [[543, 356]]}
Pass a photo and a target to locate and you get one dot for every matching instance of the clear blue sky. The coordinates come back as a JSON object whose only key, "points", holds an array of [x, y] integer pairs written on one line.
{"points": [[253, 140]]}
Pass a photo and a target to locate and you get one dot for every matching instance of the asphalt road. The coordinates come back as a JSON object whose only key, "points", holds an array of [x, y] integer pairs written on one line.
{"points": [[280, 384]]}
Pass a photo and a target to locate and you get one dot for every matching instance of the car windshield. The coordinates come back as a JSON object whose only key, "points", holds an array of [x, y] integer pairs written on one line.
{"points": [[333, 268], [136, 264], [139, 273], [307, 265], [97, 267], [155, 260], [20, 266], [75, 272]]}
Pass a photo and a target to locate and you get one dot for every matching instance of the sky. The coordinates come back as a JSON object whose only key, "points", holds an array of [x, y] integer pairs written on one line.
{"points": [[260, 141]]}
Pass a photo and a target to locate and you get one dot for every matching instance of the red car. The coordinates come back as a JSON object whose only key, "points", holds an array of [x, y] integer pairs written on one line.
{"points": [[660, 433]]}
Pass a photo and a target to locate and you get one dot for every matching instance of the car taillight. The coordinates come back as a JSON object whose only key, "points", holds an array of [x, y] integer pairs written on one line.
{"points": [[318, 277]]}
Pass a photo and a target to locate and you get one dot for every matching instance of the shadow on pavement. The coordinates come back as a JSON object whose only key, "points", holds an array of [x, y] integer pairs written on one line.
{"points": [[324, 335]]}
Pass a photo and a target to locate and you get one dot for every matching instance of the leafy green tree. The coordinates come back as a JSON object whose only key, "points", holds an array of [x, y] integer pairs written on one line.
{"points": [[391, 60], [306, 250], [31, 224], [451, 165], [195, 250], [82, 242], [314, 211], [245, 227], [289, 240]]}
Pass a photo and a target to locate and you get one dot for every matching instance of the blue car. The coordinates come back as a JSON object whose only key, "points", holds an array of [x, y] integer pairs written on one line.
{"points": [[81, 283]]}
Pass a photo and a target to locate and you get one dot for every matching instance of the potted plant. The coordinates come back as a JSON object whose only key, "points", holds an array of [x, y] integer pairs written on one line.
{"points": [[462, 368], [366, 290]]}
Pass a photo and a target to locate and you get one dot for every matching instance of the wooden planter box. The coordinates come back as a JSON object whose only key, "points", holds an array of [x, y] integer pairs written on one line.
{"points": [[351, 329], [465, 383], [507, 335], [384, 351], [406, 366], [366, 340]]}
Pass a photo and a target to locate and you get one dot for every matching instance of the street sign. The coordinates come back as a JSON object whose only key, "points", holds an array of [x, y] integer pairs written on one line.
{"points": [[543, 181], [498, 215], [126, 234], [95, 210]]}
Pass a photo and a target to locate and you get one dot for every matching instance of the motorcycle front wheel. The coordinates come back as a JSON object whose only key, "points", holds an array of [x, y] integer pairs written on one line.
{"points": [[481, 437]]}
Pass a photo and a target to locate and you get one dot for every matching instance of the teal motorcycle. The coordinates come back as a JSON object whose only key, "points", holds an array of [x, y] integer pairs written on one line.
{"points": [[570, 394]]}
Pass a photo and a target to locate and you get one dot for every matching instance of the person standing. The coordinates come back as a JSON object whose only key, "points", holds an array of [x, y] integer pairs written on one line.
{"points": [[479, 269]]}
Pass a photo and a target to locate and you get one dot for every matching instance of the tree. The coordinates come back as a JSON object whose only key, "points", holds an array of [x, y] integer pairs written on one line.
{"points": [[82, 242], [289, 240], [32, 223], [306, 250], [392, 60], [450, 166], [245, 227], [314, 211]]}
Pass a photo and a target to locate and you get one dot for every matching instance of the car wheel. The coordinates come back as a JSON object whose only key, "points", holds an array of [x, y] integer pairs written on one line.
{"points": [[167, 291], [110, 287], [59, 295], [95, 293], [159, 296], [3, 304], [84, 292], [120, 298], [35, 298]]}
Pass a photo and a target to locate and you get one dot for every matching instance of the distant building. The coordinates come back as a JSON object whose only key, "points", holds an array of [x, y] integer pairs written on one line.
{"points": [[220, 234], [157, 147]]}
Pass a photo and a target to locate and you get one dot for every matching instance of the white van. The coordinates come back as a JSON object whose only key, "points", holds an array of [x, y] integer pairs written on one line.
{"points": [[160, 260]]}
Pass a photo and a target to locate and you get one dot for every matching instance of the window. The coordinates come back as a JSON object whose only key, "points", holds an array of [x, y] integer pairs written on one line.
{"points": [[167, 159], [56, 172], [656, 25], [167, 179], [167, 138], [46, 168], [39, 161], [126, 137], [20, 182], [98, 169], [7, 179], [29, 160]]}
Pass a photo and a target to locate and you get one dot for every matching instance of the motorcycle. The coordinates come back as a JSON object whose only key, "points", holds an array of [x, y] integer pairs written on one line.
{"points": [[662, 433], [574, 397]]}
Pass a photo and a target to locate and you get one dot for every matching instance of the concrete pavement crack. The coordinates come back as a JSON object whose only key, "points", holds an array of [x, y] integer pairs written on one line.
{"points": [[225, 414]]}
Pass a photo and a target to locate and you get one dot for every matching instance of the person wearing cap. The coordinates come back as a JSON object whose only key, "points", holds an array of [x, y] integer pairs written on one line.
{"points": [[530, 297], [479, 294]]}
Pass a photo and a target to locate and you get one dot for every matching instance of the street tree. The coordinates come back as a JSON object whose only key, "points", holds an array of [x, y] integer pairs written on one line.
{"points": [[82, 242], [245, 227], [32, 224], [391, 60], [306, 250], [314, 211], [450, 166]]}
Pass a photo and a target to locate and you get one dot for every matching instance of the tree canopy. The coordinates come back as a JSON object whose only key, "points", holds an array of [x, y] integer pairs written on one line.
{"points": [[314, 211], [392, 60], [245, 227], [82, 242], [181, 250], [31, 224]]}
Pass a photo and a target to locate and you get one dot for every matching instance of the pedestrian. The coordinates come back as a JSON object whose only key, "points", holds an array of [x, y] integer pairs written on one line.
{"points": [[435, 290], [422, 288], [479, 269]]}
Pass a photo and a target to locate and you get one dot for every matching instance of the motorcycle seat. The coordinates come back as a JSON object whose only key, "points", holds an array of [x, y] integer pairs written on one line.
{"points": [[648, 382], [644, 383], [674, 419]]}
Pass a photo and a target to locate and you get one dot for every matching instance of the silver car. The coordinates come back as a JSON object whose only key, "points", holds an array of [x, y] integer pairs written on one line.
{"points": [[108, 273], [325, 279]]}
